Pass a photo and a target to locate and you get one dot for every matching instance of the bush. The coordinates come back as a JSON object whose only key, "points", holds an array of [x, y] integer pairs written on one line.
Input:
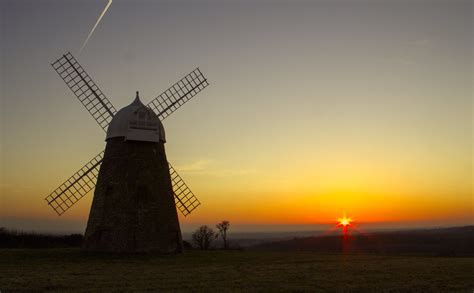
{"points": [[187, 245], [16, 239]]}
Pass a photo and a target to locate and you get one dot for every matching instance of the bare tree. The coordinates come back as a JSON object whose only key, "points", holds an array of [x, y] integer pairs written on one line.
{"points": [[223, 227], [203, 237]]}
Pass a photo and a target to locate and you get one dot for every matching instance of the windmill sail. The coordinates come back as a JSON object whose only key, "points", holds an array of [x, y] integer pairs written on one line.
{"points": [[84, 180], [185, 199], [178, 94], [76, 187], [84, 88], [102, 110]]}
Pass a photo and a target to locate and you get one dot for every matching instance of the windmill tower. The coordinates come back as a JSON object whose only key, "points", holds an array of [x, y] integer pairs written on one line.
{"points": [[137, 192]]}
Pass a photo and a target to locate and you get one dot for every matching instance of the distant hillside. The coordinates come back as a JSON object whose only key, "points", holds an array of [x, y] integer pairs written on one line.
{"points": [[21, 239], [445, 241]]}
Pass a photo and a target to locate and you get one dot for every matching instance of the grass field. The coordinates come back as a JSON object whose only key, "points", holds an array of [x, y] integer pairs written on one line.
{"points": [[73, 270]]}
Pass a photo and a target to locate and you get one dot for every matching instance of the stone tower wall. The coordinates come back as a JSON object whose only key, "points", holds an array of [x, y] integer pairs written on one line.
{"points": [[133, 209]]}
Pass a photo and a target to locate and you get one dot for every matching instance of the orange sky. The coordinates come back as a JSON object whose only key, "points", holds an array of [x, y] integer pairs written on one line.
{"points": [[314, 109]]}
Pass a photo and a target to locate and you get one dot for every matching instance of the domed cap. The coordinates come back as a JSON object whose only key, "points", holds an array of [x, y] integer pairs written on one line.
{"points": [[136, 122]]}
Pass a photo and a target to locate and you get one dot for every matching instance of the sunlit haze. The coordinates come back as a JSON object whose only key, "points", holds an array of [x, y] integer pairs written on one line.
{"points": [[314, 108]]}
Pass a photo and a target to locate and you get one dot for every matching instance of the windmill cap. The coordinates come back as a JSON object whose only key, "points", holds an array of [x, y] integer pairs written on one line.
{"points": [[136, 122]]}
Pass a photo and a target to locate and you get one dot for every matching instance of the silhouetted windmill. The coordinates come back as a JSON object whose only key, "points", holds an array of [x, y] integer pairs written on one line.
{"points": [[133, 207]]}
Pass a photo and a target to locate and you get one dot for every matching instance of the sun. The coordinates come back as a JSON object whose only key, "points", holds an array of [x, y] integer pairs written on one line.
{"points": [[344, 221]]}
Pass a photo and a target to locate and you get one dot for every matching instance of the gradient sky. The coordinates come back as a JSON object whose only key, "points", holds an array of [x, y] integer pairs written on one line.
{"points": [[315, 108]]}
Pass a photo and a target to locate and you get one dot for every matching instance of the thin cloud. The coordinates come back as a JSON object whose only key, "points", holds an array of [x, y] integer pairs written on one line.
{"points": [[196, 166], [208, 168]]}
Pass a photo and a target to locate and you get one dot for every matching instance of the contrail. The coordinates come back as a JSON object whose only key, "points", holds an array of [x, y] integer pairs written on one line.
{"points": [[95, 25]]}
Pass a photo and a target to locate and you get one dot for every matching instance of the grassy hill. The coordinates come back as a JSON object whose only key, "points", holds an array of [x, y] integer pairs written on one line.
{"points": [[443, 241], [69, 269]]}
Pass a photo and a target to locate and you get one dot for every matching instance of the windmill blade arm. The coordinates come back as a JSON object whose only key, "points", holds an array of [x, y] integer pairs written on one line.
{"points": [[178, 94], [84, 88], [76, 187], [185, 199]]}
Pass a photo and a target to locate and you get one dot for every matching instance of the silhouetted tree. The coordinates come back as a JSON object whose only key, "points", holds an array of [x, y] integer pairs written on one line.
{"points": [[223, 227], [203, 237]]}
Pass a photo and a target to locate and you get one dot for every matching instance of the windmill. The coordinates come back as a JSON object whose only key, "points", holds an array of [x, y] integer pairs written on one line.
{"points": [[137, 192]]}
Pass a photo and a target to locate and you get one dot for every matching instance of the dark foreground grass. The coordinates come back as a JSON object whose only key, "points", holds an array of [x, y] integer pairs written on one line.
{"points": [[73, 270]]}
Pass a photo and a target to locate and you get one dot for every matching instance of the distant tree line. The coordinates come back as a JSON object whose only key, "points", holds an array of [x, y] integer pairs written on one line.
{"points": [[204, 235], [203, 238], [19, 239]]}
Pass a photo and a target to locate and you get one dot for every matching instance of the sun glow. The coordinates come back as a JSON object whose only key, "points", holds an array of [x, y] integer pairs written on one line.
{"points": [[344, 221]]}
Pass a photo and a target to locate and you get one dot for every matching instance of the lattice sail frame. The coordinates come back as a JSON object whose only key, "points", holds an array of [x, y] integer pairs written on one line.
{"points": [[185, 199], [83, 181], [102, 110], [178, 94], [85, 89]]}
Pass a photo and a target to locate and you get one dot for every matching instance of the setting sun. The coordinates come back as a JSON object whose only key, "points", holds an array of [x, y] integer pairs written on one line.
{"points": [[344, 221]]}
